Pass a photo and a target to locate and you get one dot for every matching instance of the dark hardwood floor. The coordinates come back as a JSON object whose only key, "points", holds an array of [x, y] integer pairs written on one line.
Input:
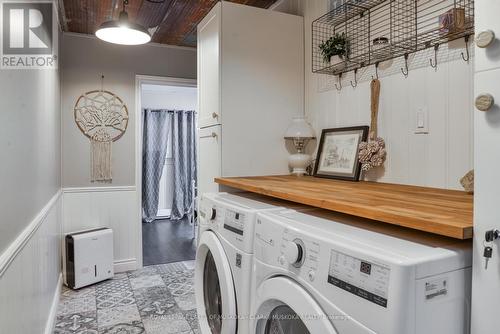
{"points": [[166, 241]]}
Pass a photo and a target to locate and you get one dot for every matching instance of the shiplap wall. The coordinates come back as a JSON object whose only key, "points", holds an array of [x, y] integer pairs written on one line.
{"points": [[30, 284], [113, 207], [437, 159]]}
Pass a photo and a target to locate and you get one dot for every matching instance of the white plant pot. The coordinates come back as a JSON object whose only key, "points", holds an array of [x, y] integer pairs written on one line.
{"points": [[335, 60]]}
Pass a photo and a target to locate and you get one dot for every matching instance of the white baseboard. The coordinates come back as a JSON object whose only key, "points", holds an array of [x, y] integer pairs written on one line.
{"points": [[125, 265], [51, 321]]}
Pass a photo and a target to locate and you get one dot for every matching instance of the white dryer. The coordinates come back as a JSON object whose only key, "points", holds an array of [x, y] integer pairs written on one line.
{"points": [[345, 275], [224, 261]]}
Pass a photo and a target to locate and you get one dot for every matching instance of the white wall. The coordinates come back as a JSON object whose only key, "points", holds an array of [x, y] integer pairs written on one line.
{"points": [[438, 159], [30, 206], [168, 97], [29, 147], [85, 58], [115, 205]]}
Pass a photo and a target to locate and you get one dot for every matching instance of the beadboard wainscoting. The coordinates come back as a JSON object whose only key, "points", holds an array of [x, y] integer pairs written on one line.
{"points": [[30, 274], [113, 207]]}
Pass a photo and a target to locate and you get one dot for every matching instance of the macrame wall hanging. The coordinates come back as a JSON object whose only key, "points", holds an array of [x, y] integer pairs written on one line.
{"points": [[103, 118], [372, 153]]}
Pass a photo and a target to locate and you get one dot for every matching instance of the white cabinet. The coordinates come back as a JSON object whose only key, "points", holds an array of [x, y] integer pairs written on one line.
{"points": [[486, 18], [209, 154], [209, 69], [250, 77], [486, 282]]}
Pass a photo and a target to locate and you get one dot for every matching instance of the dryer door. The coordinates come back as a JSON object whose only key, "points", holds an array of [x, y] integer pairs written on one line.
{"points": [[284, 307], [214, 287]]}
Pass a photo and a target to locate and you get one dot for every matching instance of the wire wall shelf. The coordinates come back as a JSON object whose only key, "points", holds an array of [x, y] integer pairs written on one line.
{"points": [[380, 30]]}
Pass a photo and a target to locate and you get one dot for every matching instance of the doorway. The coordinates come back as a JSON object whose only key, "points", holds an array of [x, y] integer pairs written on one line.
{"points": [[165, 238]]}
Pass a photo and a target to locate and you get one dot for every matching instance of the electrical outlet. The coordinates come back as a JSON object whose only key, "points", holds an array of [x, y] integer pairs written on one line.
{"points": [[422, 120]]}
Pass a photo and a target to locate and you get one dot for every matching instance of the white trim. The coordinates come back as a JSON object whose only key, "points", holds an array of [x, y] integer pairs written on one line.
{"points": [[165, 81], [51, 321], [71, 190], [8, 256], [124, 265], [139, 81], [186, 48]]}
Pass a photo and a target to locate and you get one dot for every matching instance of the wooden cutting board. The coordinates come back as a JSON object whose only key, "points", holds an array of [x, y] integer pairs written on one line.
{"points": [[438, 211]]}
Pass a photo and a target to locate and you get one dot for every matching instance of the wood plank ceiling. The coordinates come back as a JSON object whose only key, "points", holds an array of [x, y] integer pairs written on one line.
{"points": [[171, 22]]}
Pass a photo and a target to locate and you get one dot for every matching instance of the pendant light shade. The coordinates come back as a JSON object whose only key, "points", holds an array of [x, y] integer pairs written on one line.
{"points": [[123, 31]]}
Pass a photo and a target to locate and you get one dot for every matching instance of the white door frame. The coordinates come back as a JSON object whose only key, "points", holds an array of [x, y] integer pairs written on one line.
{"points": [[139, 81]]}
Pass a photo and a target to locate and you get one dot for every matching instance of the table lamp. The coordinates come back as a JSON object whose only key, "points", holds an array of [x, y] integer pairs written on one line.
{"points": [[300, 132]]}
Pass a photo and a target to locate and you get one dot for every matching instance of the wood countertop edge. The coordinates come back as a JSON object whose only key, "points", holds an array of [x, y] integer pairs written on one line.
{"points": [[457, 232]]}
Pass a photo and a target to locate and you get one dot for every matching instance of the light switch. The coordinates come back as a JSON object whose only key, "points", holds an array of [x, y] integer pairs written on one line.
{"points": [[422, 121]]}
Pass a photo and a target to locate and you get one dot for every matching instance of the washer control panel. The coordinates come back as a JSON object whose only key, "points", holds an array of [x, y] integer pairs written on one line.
{"points": [[361, 278]]}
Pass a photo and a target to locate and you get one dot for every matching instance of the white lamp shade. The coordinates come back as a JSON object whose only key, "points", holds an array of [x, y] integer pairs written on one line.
{"points": [[299, 128]]}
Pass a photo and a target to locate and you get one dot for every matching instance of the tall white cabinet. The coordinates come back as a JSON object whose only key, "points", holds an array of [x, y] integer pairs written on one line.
{"points": [[486, 282], [250, 86]]}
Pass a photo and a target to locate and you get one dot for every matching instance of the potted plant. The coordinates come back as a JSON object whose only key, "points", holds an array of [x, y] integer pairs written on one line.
{"points": [[335, 48]]}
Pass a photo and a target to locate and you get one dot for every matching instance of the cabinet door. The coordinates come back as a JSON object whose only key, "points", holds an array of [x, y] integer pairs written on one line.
{"points": [[486, 19], [485, 281], [209, 68], [209, 158]]}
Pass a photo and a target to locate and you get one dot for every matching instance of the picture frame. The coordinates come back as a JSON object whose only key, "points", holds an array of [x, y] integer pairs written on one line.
{"points": [[337, 156]]}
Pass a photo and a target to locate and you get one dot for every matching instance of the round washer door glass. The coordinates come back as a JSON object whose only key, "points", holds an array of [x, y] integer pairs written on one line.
{"points": [[212, 294], [284, 320]]}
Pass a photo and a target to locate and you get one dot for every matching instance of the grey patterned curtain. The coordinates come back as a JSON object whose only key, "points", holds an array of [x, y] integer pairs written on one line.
{"points": [[184, 158], [156, 124]]}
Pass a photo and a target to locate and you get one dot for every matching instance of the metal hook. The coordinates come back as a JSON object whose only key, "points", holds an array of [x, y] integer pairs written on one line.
{"points": [[405, 72], [339, 88], [436, 47], [376, 71], [466, 59], [355, 79]]}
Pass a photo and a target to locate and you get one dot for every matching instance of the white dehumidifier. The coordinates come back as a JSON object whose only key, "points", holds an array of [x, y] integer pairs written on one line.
{"points": [[89, 257]]}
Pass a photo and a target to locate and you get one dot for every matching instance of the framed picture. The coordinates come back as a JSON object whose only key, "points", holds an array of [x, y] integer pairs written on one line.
{"points": [[338, 153]]}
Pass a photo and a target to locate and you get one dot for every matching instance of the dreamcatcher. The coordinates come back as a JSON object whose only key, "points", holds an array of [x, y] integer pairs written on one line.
{"points": [[103, 118]]}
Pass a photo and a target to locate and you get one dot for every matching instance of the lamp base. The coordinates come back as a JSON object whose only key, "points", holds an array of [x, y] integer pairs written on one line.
{"points": [[298, 162]]}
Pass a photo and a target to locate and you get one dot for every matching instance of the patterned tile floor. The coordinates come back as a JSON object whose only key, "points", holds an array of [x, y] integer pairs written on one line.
{"points": [[154, 300]]}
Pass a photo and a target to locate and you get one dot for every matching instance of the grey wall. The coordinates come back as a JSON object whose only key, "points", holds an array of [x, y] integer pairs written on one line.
{"points": [[84, 59], [30, 142]]}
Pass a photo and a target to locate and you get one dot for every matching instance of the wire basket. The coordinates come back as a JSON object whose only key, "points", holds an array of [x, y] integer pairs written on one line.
{"points": [[378, 30]]}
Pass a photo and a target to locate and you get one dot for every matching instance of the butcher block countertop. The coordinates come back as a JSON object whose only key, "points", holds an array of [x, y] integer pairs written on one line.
{"points": [[438, 211]]}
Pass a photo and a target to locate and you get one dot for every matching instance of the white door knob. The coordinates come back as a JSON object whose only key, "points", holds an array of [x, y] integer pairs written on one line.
{"points": [[485, 39], [484, 102], [292, 252]]}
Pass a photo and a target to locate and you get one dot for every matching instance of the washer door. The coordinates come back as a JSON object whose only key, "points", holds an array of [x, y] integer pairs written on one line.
{"points": [[214, 287], [284, 307]]}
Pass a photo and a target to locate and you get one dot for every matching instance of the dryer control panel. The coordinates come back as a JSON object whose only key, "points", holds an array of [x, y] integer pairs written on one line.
{"points": [[234, 221]]}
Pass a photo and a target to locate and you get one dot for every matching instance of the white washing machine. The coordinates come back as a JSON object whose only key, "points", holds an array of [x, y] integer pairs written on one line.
{"points": [[345, 275], [224, 261]]}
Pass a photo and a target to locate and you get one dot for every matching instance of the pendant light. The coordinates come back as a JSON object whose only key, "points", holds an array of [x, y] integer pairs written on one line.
{"points": [[123, 31]]}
